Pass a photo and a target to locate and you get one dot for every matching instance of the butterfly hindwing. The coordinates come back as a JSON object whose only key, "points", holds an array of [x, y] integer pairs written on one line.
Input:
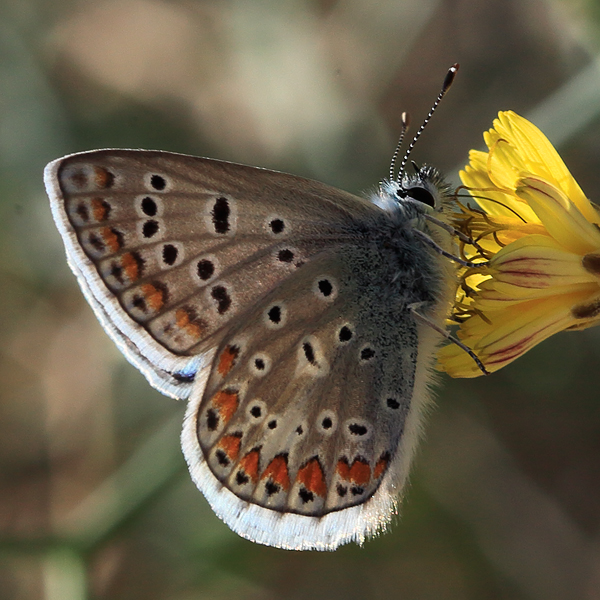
{"points": [[311, 409]]}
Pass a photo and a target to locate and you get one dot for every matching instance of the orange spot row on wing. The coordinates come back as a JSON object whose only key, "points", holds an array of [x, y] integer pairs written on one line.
{"points": [[111, 239], [155, 297], [249, 464], [359, 473], [192, 325], [381, 466], [227, 359], [230, 444], [78, 178], [131, 266], [226, 402], [312, 478], [100, 209], [277, 471], [103, 178]]}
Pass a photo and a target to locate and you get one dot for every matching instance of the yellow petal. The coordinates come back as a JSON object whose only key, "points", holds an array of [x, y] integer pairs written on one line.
{"points": [[538, 261], [492, 200], [492, 177], [505, 163], [503, 295], [541, 158], [516, 331], [537, 153], [563, 220]]}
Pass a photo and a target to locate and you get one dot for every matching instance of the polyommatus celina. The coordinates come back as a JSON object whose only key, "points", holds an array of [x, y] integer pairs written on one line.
{"points": [[294, 318]]}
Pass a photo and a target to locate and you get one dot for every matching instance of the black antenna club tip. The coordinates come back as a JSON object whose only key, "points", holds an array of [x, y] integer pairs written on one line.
{"points": [[450, 76]]}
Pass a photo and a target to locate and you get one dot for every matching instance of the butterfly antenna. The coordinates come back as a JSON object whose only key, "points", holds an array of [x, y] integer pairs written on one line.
{"points": [[405, 126], [445, 87]]}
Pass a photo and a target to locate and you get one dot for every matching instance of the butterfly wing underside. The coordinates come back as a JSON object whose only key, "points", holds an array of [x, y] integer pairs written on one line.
{"points": [[149, 233], [256, 294], [303, 435]]}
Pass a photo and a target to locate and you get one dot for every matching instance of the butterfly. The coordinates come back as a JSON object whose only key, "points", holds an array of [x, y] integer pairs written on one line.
{"points": [[292, 316]]}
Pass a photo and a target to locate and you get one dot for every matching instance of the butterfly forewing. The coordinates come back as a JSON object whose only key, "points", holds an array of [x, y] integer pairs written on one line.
{"points": [[184, 245]]}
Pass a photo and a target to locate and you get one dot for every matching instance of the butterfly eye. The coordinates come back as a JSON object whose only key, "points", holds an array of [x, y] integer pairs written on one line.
{"points": [[421, 195]]}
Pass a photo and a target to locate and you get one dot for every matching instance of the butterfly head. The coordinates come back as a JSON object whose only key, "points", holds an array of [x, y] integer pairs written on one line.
{"points": [[425, 189]]}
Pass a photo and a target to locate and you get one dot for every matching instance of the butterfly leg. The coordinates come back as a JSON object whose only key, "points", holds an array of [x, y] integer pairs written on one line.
{"points": [[432, 244], [415, 312], [459, 234]]}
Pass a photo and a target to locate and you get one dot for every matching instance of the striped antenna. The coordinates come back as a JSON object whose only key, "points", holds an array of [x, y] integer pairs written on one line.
{"points": [[445, 87], [405, 125]]}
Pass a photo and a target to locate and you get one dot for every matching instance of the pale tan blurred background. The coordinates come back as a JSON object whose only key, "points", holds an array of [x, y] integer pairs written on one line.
{"points": [[95, 498]]}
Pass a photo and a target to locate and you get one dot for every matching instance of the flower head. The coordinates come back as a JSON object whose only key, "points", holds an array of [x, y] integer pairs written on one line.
{"points": [[538, 239]]}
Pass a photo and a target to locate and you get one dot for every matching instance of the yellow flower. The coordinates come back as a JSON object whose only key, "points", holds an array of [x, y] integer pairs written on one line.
{"points": [[542, 238]]}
